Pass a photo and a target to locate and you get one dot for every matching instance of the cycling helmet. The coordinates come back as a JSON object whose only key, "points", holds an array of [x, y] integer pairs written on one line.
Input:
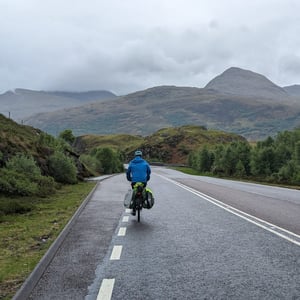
{"points": [[138, 153]]}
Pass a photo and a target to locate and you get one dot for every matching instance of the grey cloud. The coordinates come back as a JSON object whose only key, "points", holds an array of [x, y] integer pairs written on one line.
{"points": [[124, 46]]}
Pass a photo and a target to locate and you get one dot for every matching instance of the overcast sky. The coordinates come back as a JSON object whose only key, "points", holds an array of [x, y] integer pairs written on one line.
{"points": [[129, 45]]}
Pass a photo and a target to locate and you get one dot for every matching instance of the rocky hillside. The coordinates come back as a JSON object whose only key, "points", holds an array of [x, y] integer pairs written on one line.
{"points": [[20, 139], [168, 145]]}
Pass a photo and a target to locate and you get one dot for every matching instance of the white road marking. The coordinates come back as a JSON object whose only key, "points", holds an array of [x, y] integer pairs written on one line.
{"points": [[127, 210], [125, 219], [252, 219], [116, 252], [122, 231], [106, 289]]}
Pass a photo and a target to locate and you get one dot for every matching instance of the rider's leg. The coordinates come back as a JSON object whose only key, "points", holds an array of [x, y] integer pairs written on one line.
{"points": [[133, 212]]}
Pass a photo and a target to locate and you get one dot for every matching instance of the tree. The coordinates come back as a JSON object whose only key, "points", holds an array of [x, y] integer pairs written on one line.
{"points": [[62, 168], [297, 153], [110, 160], [67, 135], [240, 169], [205, 160], [263, 161]]}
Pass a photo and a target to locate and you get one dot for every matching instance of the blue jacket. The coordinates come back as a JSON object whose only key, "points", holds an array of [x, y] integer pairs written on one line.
{"points": [[138, 170]]}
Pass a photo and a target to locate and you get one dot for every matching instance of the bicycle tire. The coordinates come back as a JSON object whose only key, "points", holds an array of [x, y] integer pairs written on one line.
{"points": [[139, 215]]}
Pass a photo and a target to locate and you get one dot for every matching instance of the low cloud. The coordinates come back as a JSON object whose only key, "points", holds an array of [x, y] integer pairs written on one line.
{"points": [[124, 47]]}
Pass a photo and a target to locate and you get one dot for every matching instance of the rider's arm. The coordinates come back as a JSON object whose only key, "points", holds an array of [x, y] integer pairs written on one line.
{"points": [[128, 173], [148, 172]]}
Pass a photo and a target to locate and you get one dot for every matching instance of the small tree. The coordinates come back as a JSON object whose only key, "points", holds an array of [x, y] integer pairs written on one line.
{"points": [[62, 168], [240, 169], [110, 160], [205, 160], [25, 165], [67, 135], [22, 176], [297, 153]]}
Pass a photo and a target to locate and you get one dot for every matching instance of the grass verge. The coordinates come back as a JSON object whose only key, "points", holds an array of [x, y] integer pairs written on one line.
{"points": [[191, 171], [25, 238]]}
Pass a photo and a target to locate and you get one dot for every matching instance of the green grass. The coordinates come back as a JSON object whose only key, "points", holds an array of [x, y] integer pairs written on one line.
{"points": [[24, 238], [191, 171], [188, 170]]}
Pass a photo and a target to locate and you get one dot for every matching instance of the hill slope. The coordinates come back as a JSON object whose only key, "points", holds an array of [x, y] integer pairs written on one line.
{"points": [[293, 90], [144, 112], [238, 101], [168, 145], [20, 139], [22, 103], [246, 83]]}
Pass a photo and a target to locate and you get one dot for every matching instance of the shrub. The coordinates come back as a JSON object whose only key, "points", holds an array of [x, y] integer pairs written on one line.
{"points": [[67, 135], [62, 168], [24, 165], [15, 183], [111, 161], [91, 162], [46, 185], [22, 176]]}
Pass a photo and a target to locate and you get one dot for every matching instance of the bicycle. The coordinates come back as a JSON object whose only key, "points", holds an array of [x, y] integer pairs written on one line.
{"points": [[138, 200]]}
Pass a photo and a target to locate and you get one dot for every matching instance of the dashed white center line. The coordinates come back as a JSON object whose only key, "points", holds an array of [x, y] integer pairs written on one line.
{"points": [[122, 231], [106, 289], [125, 219], [116, 252], [127, 210]]}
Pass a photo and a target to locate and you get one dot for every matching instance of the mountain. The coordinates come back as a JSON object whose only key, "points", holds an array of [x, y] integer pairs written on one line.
{"points": [[238, 101], [293, 90], [246, 83], [22, 103]]}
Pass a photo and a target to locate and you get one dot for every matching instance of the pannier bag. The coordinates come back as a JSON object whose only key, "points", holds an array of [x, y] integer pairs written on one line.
{"points": [[149, 199], [128, 198], [147, 196]]}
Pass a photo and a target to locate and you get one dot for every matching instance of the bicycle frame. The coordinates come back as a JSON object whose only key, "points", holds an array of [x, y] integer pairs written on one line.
{"points": [[139, 201]]}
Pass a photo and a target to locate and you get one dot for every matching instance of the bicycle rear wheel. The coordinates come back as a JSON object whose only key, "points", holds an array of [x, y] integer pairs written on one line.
{"points": [[139, 214]]}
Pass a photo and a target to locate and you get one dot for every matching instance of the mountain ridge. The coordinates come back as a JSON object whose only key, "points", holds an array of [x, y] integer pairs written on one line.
{"points": [[22, 103], [251, 106]]}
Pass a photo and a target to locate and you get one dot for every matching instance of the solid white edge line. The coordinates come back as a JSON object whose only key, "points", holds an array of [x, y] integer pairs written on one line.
{"points": [[116, 252], [238, 212], [106, 289], [122, 231]]}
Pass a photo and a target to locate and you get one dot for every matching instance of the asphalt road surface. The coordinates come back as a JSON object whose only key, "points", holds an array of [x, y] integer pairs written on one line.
{"points": [[188, 246]]}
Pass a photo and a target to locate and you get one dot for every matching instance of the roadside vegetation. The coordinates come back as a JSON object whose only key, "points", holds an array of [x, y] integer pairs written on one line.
{"points": [[28, 226], [42, 177], [274, 160]]}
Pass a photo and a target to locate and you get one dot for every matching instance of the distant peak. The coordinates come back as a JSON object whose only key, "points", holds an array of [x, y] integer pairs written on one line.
{"points": [[247, 83]]}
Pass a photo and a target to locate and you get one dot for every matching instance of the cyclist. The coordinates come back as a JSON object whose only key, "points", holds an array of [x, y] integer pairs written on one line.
{"points": [[138, 171]]}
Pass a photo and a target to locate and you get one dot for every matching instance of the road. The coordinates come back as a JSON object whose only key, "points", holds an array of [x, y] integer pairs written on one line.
{"points": [[188, 246]]}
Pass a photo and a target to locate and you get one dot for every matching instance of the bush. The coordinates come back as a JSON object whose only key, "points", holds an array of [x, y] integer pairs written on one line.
{"points": [[91, 162], [22, 176], [46, 185], [62, 168], [24, 165], [15, 183], [67, 135], [110, 160]]}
